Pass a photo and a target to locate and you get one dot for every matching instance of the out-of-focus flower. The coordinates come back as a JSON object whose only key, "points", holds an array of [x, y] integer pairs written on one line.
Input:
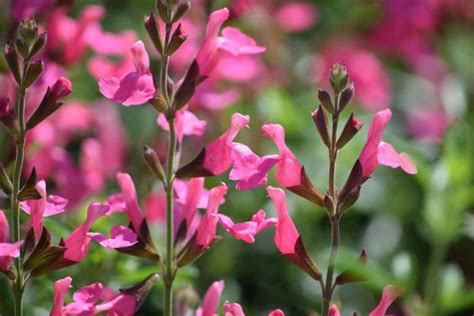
{"points": [[68, 39], [288, 172], [367, 73], [238, 43], [77, 244], [249, 169], [246, 231], [390, 294], [296, 16], [136, 87], [25, 9], [234, 309], [211, 300], [7, 250], [377, 152], [186, 122], [43, 207], [428, 123]]}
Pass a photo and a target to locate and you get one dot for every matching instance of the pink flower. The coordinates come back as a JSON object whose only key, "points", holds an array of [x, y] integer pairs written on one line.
{"points": [[77, 244], [286, 234], [43, 207], [61, 89], [276, 312], [288, 172], [428, 123], [136, 87], [61, 288], [186, 124], [190, 196], [207, 227], [246, 231], [296, 16], [390, 294], [207, 57], [237, 43], [120, 237], [377, 152], [7, 250], [130, 198], [233, 309], [25, 9], [249, 169], [211, 300], [92, 164]]}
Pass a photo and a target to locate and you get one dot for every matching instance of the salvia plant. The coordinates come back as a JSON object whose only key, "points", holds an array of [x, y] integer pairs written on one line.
{"points": [[28, 254]]}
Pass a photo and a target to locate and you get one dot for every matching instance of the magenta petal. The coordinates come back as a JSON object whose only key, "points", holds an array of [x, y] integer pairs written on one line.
{"points": [[129, 195], [207, 227], [187, 124], [55, 205], [390, 294], [237, 43], [243, 231], [334, 311], [387, 156], [233, 309], [61, 288], [120, 237], [10, 249], [211, 300], [276, 312]]}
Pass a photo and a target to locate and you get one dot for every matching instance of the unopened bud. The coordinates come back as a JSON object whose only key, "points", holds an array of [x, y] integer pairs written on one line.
{"points": [[320, 120], [177, 39], [325, 100], [329, 204], [338, 77], [39, 44], [346, 96], [153, 31], [153, 163], [351, 128], [28, 30], [11, 56], [188, 86], [181, 10], [61, 89], [34, 71], [162, 7], [22, 47]]}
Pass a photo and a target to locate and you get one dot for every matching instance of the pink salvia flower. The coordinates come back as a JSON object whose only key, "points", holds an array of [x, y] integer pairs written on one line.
{"points": [[84, 300], [249, 169], [286, 234], [218, 154], [390, 294], [136, 87], [246, 231], [116, 304], [77, 244], [120, 237], [207, 227], [288, 172], [129, 196], [61, 89], [211, 300], [61, 288], [237, 43], [43, 207], [333, 311], [276, 312], [233, 309], [207, 57], [4, 238], [377, 152], [187, 124], [296, 16]]}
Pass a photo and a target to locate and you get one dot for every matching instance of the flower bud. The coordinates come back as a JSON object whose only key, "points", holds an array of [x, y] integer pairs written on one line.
{"points": [[357, 272], [321, 122], [177, 39], [351, 128], [22, 47], [153, 163], [338, 77], [34, 71], [61, 88], [162, 7], [188, 87], [141, 289], [28, 30], [5, 182], [11, 56], [181, 10], [346, 96], [38, 44], [153, 31], [325, 100]]}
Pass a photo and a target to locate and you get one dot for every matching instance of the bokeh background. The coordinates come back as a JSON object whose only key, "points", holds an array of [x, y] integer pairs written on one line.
{"points": [[413, 56]]}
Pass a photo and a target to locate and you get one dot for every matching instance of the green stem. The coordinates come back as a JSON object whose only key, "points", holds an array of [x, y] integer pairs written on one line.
{"points": [[18, 286], [431, 289], [328, 290]]}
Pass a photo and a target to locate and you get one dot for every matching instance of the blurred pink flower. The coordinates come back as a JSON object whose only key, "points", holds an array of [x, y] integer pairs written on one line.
{"points": [[246, 231], [249, 169], [428, 123], [377, 152], [211, 300], [136, 87], [286, 234], [296, 16], [7, 250], [234, 309], [43, 207], [129, 195], [206, 230], [288, 172], [26, 9], [187, 123], [68, 39], [77, 244], [120, 237], [367, 72]]}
